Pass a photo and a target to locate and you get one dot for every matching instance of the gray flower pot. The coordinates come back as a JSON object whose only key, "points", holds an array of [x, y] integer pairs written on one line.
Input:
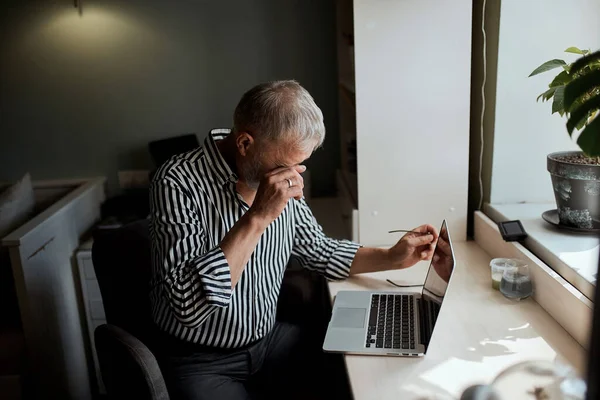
{"points": [[576, 190]]}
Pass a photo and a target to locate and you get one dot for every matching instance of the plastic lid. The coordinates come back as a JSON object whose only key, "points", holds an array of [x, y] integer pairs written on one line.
{"points": [[503, 263]]}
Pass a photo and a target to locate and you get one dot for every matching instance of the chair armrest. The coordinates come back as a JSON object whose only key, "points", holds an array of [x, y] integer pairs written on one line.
{"points": [[129, 369]]}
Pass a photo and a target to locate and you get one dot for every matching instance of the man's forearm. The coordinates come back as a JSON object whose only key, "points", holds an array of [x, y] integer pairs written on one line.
{"points": [[370, 259], [240, 242]]}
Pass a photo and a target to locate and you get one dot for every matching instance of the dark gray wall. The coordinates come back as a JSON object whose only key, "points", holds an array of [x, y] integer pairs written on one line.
{"points": [[83, 95]]}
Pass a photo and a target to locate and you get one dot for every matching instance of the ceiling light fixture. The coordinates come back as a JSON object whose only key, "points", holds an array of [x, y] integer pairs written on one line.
{"points": [[77, 5]]}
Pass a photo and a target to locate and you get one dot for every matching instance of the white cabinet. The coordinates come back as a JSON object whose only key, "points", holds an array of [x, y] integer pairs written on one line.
{"points": [[41, 254], [404, 106], [92, 299]]}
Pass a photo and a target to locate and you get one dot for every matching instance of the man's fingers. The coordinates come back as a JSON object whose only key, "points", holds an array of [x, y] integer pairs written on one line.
{"points": [[297, 168], [283, 176], [421, 240], [277, 171], [426, 255], [284, 187], [296, 192], [298, 181], [427, 229], [295, 181], [287, 192]]}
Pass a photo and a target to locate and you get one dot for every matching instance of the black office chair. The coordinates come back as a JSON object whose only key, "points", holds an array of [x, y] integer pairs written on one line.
{"points": [[127, 344], [129, 369], [122, 264], [163, 149]]}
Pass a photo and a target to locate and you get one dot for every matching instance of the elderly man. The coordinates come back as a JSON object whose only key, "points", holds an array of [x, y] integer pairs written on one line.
{"points": [[225, 220]]}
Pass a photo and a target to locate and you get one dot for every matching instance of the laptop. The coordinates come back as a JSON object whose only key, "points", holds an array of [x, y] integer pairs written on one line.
{"points": [[389, 323]]}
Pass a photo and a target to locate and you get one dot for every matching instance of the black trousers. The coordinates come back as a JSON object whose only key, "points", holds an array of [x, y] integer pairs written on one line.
{"points": [[288, 363]]}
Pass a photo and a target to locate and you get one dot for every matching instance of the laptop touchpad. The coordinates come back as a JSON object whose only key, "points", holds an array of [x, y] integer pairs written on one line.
{"points": [[349, 318]]}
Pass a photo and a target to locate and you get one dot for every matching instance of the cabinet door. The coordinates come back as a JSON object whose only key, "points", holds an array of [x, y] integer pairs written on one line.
{"points": [[94, 309], [101, 387], [88, 266], [45, 280], [412, 115]]}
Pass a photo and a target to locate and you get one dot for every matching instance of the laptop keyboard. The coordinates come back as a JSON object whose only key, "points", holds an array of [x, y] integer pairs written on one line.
{"points": [[391, 322]]}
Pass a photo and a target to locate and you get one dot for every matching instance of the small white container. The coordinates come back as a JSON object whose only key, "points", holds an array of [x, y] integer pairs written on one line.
{"points": [[498, 266]]}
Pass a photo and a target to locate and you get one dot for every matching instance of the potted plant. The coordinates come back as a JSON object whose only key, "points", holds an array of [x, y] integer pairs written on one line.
{"points": [[575, 93]]}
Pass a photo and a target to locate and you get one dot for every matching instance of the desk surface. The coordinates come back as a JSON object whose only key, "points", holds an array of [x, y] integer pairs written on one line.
{"points": [[479, 333]]}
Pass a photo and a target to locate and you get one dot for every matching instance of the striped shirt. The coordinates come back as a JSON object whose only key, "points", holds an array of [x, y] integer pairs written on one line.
{"points": [[194, 203]]}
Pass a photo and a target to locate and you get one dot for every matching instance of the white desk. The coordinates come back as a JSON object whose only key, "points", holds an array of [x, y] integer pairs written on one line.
{"points": [[479, 333]]}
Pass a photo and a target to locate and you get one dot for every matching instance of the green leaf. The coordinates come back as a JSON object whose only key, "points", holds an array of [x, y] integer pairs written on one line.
{"points": [[547, 94], [558, 104], [574, 50], [584, 61], [580, 86], [576, 104], [561, 79], [582, 112], [547, 66], [589, 140], [582, 123]]}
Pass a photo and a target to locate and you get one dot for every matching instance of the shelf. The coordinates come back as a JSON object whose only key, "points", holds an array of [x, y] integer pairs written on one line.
{"points": [[348, 95], [351, 180], [346, 103], [349, 86]]}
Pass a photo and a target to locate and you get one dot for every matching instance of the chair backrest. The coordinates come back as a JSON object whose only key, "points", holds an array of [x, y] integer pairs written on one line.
{"points": [[122, 263], [129, 369], [163, 149]]}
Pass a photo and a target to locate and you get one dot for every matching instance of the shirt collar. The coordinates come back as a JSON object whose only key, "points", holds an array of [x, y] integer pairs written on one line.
{"points": [[216, 162]]}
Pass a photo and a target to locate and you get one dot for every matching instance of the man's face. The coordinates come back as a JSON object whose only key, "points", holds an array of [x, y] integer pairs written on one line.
{"points": [[264, 156]]}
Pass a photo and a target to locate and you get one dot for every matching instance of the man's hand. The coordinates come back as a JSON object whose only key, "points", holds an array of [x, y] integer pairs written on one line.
{"points": [[414, 247], [274, 192]]}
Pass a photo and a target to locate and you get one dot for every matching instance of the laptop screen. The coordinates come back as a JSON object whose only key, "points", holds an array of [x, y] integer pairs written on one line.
{"points": [[436, 283], [440, 270]]}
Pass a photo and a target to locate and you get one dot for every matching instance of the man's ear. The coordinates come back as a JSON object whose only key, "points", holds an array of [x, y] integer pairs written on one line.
{"points": [[244, 141]]}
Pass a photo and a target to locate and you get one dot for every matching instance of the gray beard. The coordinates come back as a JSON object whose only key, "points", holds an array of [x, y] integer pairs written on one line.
{"points": [[251, 174]]}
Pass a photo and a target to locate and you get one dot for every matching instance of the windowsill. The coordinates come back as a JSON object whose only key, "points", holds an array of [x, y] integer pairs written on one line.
{"points": [[564, 302], [574, 256]]}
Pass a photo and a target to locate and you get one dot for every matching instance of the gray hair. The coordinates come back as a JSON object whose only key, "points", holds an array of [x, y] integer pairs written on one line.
{"points": [[281, 110]]}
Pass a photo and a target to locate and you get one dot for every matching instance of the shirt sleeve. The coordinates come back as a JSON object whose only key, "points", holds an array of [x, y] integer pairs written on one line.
{"points": [[315, 251], [196, 279]]}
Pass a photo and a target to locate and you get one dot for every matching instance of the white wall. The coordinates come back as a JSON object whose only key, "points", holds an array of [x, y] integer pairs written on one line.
{"points": [[83, 95], [413, 62], [532, 32]]}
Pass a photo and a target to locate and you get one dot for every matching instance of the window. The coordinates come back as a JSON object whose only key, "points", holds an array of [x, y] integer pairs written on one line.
{"points": [[519, 132]]}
